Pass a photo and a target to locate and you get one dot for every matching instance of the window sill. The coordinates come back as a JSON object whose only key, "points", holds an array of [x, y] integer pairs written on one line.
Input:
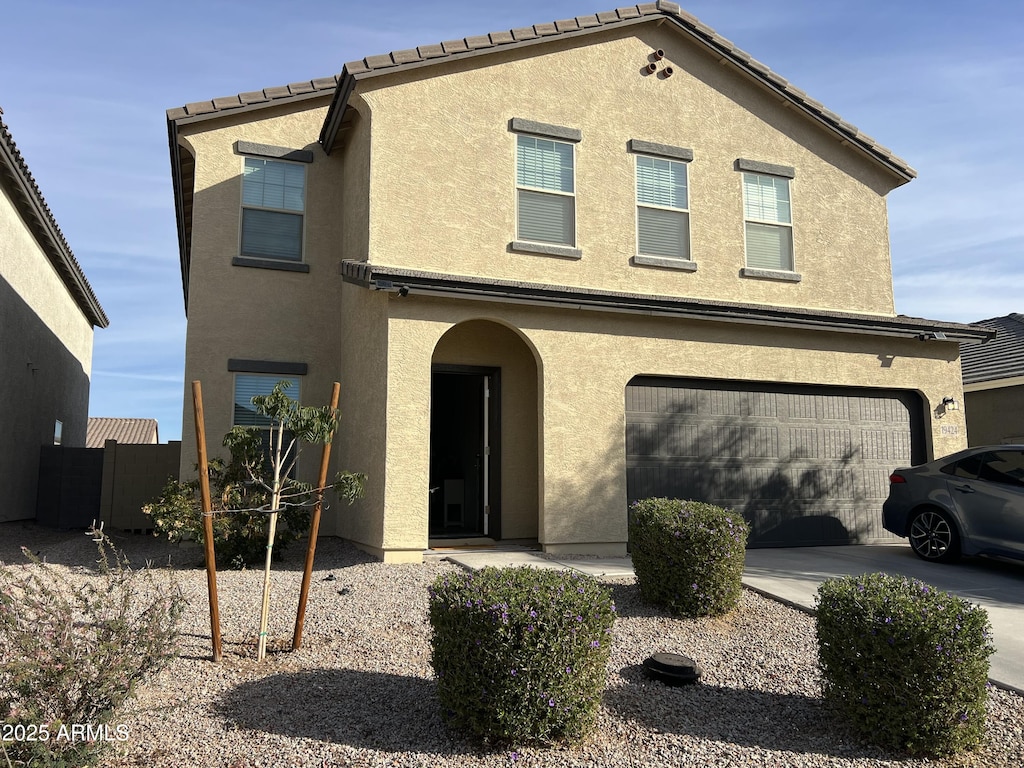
{"points": [[683, 265], [285, 266], [545, 249], [772, 274]]}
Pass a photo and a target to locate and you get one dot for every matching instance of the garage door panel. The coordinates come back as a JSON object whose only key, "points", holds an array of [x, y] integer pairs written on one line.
{"points": [[805, 465]]}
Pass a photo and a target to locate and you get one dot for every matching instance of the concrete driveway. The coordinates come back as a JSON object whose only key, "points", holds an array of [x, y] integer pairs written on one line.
{"points": [[793, 575]]}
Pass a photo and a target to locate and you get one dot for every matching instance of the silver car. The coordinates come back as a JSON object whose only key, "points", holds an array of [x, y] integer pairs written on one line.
{"points": [[969, 503]]}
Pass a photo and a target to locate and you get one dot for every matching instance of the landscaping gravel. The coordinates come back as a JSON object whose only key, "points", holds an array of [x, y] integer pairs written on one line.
{"points": [[360, 691]]}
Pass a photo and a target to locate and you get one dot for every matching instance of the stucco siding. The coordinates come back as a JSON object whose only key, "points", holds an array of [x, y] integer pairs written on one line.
{"points": [[587, 359], [46, 359], [443, 172], [238, 312]]}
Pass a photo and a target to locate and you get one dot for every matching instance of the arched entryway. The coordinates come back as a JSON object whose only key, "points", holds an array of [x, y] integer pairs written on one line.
{"points": [[483, 434]]}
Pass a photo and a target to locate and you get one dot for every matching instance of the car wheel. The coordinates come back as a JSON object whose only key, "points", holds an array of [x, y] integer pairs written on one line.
{"points": [[933, 536]]}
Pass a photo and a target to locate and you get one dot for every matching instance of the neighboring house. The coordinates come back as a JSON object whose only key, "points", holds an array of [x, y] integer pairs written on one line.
{"points": [[47, 315], [994, 383], [555, 269], [124, 431]]}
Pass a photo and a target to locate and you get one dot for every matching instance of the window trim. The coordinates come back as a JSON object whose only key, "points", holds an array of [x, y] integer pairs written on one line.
{"points": [[759, 168], [519, 126], [667, 154], [262, 261]]}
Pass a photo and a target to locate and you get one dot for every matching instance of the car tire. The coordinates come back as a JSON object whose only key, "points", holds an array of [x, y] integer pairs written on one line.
{"points": [[933, 536]]}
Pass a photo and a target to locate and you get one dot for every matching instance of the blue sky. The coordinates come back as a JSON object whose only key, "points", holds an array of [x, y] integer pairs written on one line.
{"points": [[84, 85]]}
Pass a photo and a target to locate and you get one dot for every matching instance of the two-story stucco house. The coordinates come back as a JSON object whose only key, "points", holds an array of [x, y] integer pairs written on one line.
{"points": [[558, 268], [48, 312]]}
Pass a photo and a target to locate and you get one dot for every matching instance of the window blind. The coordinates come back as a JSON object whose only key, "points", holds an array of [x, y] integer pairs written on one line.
{"points": [[663, 233], [248, 386], [769, 246]]}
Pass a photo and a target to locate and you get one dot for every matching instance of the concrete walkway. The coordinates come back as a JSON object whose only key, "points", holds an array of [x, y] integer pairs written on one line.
{"points": [[793, 575]]}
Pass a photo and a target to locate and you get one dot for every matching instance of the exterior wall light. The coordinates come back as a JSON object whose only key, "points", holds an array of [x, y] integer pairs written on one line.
{"points": [[950, 404]]}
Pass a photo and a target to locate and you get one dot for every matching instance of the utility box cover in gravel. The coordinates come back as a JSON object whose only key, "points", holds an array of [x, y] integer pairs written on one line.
{"points": [[672, 669]]}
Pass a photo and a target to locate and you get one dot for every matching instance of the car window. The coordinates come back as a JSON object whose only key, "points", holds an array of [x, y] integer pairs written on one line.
{"points": [[967, 468], [1006, 467]]}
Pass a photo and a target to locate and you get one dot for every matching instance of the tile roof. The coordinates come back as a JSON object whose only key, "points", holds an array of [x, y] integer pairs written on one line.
{"points": [[423, 55], [254, 99], [123, 430], [16, 177], [1001, 358], [644, 12]]}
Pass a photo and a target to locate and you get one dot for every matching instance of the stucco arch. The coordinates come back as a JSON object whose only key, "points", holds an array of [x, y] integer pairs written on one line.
{"points": [[486, 344]]}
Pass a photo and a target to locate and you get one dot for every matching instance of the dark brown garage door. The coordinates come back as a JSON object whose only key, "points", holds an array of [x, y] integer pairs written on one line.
{"points": [[806, 465]]}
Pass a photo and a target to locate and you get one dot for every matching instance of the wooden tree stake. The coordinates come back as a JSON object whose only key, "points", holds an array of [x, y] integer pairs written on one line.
{"points": [[314, 529], [204, 490]]}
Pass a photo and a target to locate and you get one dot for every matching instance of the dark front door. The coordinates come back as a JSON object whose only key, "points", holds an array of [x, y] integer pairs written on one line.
{"points": [[462, 431]]}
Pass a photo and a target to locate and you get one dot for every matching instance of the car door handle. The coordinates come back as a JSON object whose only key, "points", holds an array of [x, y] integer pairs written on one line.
{"points": [[964, 488]]}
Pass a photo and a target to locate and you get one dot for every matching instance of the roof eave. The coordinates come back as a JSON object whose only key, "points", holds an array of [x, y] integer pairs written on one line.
{"points": [[405, 281], [54, 246]]}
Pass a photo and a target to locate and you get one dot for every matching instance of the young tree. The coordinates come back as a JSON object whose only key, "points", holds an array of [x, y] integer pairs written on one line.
{"points": [[290, 425]]}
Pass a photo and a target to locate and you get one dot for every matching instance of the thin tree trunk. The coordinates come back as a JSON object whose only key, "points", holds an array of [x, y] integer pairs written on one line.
{"points": [[277, 460]]}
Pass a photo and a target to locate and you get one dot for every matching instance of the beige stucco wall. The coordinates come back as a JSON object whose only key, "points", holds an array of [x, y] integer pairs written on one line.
{"points": [[443, 172], [260, 314], [585, 361], [28, 270]]}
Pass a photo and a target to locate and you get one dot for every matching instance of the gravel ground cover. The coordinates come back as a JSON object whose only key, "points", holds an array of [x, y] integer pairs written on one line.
{"points": [[360, 691]]}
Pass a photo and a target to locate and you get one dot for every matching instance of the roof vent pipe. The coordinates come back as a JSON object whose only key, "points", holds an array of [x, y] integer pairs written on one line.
{"points": [[667, 71], [651, 68], [658, 55]]}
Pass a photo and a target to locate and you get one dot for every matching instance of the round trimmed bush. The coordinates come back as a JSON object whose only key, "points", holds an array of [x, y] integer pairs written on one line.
{"points": [[904, 664], [688, 555], [520, 654]]}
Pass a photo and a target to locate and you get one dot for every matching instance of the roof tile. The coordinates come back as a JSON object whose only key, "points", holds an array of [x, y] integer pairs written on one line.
{"points": [[524, 33], [322, 83], [501, 38], [226, 102], [669, 7], [252, 97], [566, 25], [306, 86], [356, 67], [406, 56], [277, 92], [431, 51], [545, 29], [607, 17], [585, 22], [380, 61], [200, 107], [479, 41], [455, 46], [628, 12], [646, 9]]}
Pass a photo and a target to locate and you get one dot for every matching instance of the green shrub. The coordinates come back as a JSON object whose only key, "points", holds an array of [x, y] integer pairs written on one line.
{"points": [[74, 649], [520, 653], [904, 664], [239, 529], [688, 556]]}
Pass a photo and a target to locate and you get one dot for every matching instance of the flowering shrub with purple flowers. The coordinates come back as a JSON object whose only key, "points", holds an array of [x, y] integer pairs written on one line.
{"points": [[904, 664], [73, 650], [688, 555], [520, 653]]}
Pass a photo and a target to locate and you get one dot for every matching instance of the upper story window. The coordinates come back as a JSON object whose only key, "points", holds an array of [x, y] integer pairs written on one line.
{"points": [[768, 215], [662, 214], [546, 184], [273, 208]]}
